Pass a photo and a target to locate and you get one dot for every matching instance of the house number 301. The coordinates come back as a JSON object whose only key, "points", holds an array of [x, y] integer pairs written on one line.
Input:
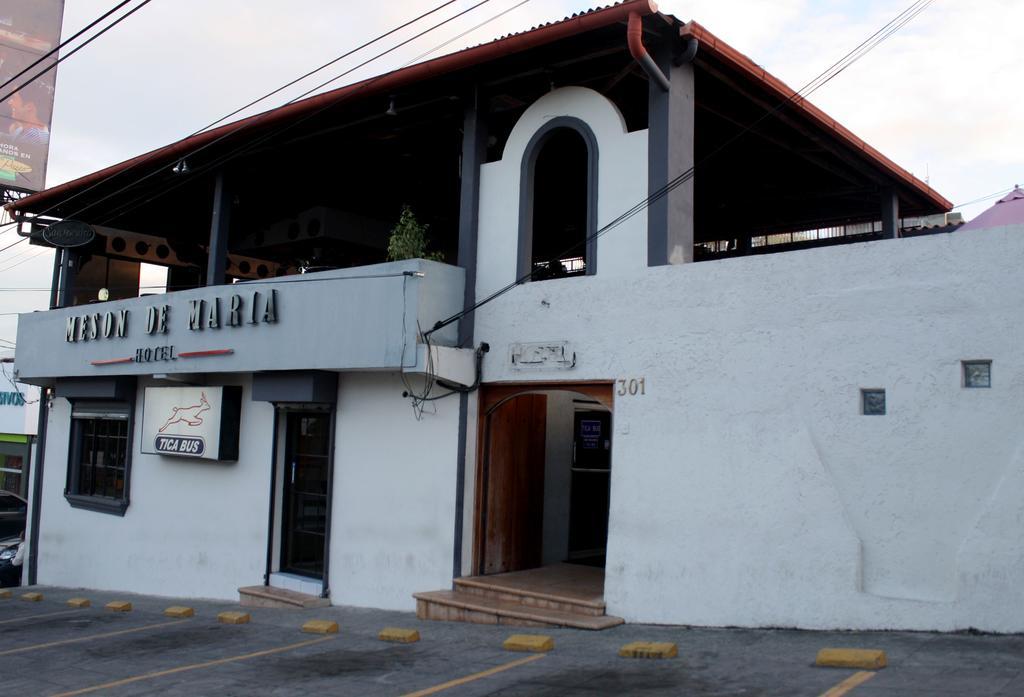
{"points": [[631, 387]]}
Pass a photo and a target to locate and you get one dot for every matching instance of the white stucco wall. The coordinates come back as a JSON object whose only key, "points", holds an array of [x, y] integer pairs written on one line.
{"points": [[747, 488], [199, 528], [622, 182], [394, 494], [194, 528]]}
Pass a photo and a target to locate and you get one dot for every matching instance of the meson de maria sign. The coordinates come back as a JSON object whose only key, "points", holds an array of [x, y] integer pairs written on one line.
{"points": [[227, 311]]}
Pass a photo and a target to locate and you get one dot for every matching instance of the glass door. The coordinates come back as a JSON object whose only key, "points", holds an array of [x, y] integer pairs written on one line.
{"points": [[304, 519], [590, 491]]}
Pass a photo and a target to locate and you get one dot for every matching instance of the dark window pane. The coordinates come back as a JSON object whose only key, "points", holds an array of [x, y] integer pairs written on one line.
{"points": [[102, 456]]}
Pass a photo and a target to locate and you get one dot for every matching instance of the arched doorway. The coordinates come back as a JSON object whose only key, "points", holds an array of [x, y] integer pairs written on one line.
{"points": [[541, 510], [544, 476]]}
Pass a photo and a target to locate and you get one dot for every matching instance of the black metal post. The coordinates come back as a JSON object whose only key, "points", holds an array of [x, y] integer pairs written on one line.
{"points": [[326, 590], [474, 152], [58, 262], [220, 223], [273, 498], [37, 486]]}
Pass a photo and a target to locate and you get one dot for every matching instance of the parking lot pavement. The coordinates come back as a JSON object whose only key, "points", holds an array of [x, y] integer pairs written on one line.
{"points": [[47, 648]]}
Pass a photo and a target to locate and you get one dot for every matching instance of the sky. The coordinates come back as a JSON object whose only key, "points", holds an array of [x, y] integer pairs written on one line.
{"points": [[941, 97]]}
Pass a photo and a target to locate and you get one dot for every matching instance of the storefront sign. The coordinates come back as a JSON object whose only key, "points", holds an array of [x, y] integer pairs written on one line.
{"points": [[342, 319], [18, 408], [13, 398], [29, 35], [255, 307], [590, 433], [69, 233], [201, 422]]}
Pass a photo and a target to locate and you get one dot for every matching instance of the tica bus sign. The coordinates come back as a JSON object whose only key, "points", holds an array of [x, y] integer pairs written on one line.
{"points": [[199, 422]]}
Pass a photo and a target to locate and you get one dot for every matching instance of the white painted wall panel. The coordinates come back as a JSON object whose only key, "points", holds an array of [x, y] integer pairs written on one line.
{"points": [[394, 494], [622, 182], [748, 489], [194, 528]]}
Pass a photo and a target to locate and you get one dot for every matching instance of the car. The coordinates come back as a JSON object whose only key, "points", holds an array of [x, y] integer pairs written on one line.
{"points": [[10, 575], [13, 511]]}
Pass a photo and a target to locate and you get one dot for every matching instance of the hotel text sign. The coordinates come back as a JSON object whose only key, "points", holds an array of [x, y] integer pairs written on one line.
{"points": [[235, 310]]}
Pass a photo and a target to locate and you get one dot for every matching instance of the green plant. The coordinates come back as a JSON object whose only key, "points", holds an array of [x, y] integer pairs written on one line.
{"points": [[409, 239]]}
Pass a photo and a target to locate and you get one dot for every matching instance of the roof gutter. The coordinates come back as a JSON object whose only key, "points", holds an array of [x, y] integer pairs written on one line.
{"points": [[635, 40]]}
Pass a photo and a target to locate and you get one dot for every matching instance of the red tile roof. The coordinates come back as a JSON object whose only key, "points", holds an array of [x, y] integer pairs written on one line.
{"points": [[503, 46]]}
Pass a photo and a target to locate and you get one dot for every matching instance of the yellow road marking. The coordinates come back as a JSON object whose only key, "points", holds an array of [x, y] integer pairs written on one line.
{"points": [[89, 638], [45, 614], [193, 666], [475, 676], [851, 682]]}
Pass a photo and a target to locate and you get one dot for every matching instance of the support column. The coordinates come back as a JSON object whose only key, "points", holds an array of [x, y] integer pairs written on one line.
{"points": [[890, 214], [670, 154], [58, 264], [474, 153], [68, 271], [220, 223]]}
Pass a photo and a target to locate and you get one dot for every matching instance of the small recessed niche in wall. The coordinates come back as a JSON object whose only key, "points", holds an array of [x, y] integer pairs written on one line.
{"points": [[977, 373], [872, 402]]}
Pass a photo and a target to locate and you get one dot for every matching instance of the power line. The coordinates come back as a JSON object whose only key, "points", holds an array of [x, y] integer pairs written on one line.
{"points": [[323, 67], [64, 43], [85, 43], [985, 198], [242, 149], [22, 261], [822, 79], [472, 29], [18, 241]]}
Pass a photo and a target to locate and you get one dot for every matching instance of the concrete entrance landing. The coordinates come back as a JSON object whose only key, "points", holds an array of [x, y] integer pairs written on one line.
{"points": [[268, 596], [562, 595]]}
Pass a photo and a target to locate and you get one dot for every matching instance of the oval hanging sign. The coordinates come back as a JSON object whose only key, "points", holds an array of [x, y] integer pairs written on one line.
{"points": [[69, 233]]}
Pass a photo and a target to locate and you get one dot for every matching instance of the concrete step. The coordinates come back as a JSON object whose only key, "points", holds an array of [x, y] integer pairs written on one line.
{"points": [[267, 596], [531, 598], [460, 606]]}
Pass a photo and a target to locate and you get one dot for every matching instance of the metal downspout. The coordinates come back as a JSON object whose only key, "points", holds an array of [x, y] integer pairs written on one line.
{"points": [[273, 498], [635, 40]]}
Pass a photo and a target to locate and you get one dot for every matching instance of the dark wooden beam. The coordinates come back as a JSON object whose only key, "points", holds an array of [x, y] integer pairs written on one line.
{"points": [[846, 156], [845, 174], [220, 221]]}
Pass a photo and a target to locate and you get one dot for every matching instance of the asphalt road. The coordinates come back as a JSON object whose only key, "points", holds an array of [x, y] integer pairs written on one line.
{"points": [[48, 648]]}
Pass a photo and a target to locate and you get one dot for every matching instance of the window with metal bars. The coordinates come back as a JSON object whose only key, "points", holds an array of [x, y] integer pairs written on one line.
{"points": [[100, 456]]}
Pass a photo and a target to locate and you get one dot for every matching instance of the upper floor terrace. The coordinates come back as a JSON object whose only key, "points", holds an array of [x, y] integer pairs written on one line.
{"points": [[318, 185]]}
